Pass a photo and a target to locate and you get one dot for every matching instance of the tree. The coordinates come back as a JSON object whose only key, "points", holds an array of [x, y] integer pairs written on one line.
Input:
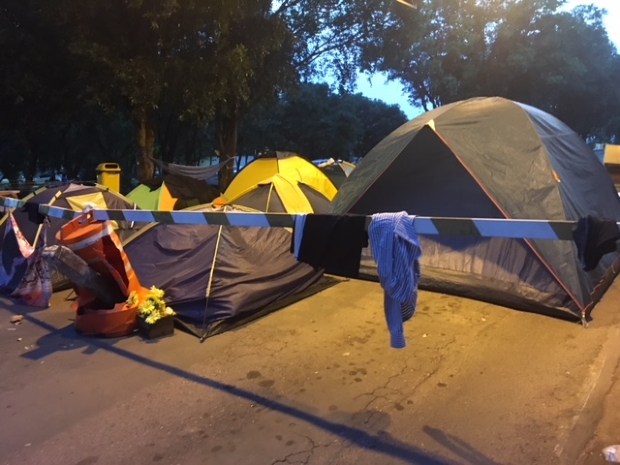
{"points": [[36, 85], [296, 38], [306, 38], [318, 123], [137, 54], [570, 71], [175, 67], [449, 50], [377, 120], [253, 63]]}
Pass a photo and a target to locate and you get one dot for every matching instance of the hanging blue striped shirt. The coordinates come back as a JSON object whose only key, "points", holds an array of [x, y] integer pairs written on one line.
{"points": [[396, 249]]}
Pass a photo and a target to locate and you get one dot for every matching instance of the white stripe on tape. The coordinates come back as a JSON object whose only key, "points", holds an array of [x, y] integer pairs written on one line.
{"points": [[182, 217], [11, 203], [139, 216], [248, 219], [517, 229], [424, 226], [56, 212]]}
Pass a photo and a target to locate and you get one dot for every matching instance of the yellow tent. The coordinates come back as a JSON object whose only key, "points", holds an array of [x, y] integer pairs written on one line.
{"points": [[285, 164], [95, 199], [281, 195]]}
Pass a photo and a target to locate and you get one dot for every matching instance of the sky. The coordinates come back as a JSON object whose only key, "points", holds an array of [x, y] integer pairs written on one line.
{"points": [[392, 92]]}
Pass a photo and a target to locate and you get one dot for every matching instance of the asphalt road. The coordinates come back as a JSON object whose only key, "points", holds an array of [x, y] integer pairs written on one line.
{"points": [[315, 383]]}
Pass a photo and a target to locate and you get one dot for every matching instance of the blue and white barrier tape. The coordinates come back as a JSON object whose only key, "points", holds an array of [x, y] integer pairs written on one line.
{"points": [[11, 203], [475, 227]]}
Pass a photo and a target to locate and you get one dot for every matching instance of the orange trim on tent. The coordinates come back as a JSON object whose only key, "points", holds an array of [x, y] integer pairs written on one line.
{"points": [[527, 241]]}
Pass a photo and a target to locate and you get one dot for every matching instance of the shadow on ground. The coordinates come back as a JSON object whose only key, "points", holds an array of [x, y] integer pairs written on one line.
{"points": [[458, 447], [61, 339]]}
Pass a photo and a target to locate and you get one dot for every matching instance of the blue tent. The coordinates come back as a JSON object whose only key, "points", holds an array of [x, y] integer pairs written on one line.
{"points": [[216, 277]]}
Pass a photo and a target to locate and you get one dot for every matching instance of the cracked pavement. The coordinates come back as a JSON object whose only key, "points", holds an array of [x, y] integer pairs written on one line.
{"points": [[314, 383]]}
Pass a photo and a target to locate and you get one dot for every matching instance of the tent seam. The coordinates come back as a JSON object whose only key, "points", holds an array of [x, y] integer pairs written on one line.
{"points": [[506, 216], [383, 171], [581, 307]]}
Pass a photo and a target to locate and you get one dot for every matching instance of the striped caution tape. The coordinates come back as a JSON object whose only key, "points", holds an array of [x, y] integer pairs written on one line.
{"points": [[473, 227], [11, 203], [484, 227], [488, 227], [274, 220], [265, 220]]}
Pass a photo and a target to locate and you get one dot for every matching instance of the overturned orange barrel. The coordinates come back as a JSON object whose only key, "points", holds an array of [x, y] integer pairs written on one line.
{"points": [[97, 243]]}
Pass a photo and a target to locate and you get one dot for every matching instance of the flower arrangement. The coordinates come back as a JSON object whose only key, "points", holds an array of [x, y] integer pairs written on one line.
{"points": [[153, 308]]}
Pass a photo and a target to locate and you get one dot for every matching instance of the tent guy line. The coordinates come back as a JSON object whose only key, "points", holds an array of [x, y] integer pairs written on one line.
{"points": [[472, 227]]}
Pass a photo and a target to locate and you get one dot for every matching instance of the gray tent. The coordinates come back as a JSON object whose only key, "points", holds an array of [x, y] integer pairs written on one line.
{"points": [[216, 277], [492, 158]]}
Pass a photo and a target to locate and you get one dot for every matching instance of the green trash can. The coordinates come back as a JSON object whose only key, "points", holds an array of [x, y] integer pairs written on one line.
{"points": [[109, 175]]}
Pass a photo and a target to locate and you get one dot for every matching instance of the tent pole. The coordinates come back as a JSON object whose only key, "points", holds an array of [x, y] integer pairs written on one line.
{"points": [[269, 198], [40, 228], [36, 237], [211, 273]]}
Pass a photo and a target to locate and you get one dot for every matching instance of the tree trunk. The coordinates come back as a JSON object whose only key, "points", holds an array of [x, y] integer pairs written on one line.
{"points": [[227, 136], [168, 141], [190, 147], [70, 169], [33, 159], [146, 142]]}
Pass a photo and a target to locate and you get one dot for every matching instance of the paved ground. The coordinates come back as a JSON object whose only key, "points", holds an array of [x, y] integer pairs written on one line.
{"points": [[316, 383]]}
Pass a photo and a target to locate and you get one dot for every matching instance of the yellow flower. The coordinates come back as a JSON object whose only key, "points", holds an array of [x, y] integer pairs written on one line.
{"points": [[157, 294], [154, 307], [132, 300], [146, 308]]}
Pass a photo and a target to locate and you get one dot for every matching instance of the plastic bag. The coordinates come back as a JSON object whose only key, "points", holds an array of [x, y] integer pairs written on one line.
{"points": [[35, 287], [612, 453], [15, 253]]}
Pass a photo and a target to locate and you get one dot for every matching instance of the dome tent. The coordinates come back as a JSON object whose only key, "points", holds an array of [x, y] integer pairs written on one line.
{"points": [[71, 196], [172, 192], [492, 158], [217, 277], [281, 195], [286, 164], [336, 170]]}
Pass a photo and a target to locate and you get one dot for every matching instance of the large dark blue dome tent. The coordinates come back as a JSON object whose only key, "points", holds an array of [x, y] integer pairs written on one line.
{"points": [[492, 158]]}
